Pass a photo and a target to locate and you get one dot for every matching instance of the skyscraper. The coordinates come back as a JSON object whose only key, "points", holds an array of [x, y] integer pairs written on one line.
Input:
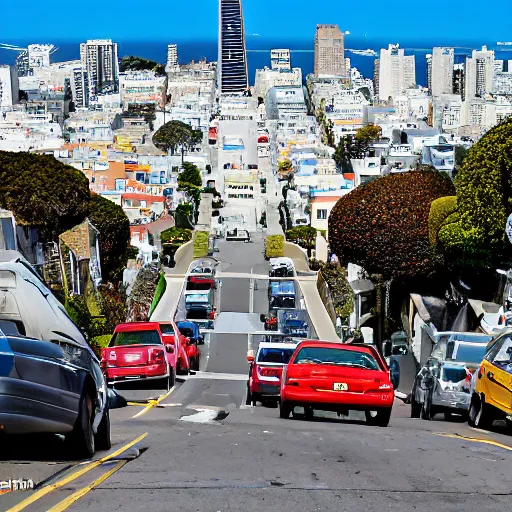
{"points": [[329, 51], [428, 59], [232, 64], [397, 72], [442, 71], [80, 87], [479, 73], [172, 57], [459, 71], [99, 59]]}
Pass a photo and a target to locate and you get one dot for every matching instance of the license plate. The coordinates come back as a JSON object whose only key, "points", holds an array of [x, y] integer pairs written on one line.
{"points": [[131, 357], [340, 386]]}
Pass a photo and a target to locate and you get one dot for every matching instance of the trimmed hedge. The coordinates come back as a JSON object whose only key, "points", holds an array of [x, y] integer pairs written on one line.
{"points": [[440, 210], [383, 225], [174, 234], [200, 244], [274, 246]]}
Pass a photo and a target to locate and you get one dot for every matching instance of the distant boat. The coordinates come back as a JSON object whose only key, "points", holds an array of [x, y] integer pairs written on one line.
{"points": [[509, 43], [365, 53]]}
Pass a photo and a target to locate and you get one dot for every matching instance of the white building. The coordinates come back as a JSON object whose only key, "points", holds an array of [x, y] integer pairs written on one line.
{"points": [[447, 113], [502, 83], [141, 87], [267, 78], [397, 72], [478, 115], [9, 88], [172, 57], [479, 73], [100, 59], [39, 55], [365, 169], [280, 59], [442, 71]]}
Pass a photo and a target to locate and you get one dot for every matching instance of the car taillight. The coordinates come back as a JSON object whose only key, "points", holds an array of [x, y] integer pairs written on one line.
{"points": [[156, 356], [268, 372]]}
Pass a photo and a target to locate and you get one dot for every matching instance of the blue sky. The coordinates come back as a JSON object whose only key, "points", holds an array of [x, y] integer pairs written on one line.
{"points": [[178, 20]]}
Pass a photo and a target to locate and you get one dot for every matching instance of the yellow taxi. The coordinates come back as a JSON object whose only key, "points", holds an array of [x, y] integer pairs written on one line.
{"points": [[492, 393]]}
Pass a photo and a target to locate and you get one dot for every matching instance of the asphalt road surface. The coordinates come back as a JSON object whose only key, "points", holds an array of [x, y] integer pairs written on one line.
{"points": [[205, 450]]}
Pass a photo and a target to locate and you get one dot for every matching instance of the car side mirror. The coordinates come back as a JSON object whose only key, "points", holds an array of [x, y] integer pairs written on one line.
{"points": [[169, 348]]}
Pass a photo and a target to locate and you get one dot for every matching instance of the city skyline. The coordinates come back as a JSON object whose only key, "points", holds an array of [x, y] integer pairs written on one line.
{"points": [[400, 24]]}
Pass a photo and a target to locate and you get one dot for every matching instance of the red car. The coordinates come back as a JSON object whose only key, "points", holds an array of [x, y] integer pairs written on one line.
{"points": [[139, 351], [180, 358], [265, 371], [337, 377]]}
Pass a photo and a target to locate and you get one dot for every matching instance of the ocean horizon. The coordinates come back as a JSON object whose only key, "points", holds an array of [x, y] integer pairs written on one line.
{"points": [[258, 54]]}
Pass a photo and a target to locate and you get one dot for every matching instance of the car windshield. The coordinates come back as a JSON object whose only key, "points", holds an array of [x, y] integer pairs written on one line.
{"points": [[275, 355], [454, 374], [470, 352], [122, 339], [201, 270], [196, 297], [336, 356], [167, 329], [503, 358]]}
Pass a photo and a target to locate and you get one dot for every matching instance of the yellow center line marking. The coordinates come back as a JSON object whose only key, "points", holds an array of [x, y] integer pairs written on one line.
{"points": [[77, 474], [475, 440], [67, 502], [153, 403]]}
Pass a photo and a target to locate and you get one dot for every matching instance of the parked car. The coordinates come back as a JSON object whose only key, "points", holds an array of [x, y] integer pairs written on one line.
{"points": [[281, 294], [180, 359], [50, 379], [199, 303], [294, 322], [202, 276], [281, 267], [443, 383], [137, 352], [190, 331], [238, 235], [337, 377], [265, 371], [492, 395]]}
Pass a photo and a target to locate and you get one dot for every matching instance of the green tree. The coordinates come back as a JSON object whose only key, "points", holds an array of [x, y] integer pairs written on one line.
{"points": [[190, 174], [175, 134], [133, 63], [383, 225], [114, 236], [368, 134], [305, 236], [476, 234], [174, 234], [43, 193]]}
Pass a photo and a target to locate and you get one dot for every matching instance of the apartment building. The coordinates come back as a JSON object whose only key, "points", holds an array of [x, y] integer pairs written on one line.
{"points": [[329, 51], [397, 72]]}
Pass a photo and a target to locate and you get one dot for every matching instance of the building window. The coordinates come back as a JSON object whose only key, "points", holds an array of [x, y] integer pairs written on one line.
{"points": [[321, 214]]}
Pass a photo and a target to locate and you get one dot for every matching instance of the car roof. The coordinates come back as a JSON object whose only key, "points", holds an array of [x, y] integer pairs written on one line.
{"points": [[269, 344], [8, 256], [138, 326], [332, 344], [197, 292]]}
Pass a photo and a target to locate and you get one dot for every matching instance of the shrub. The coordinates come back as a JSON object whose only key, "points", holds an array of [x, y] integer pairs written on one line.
{"points": [[185, 209], [305, 236], [383, 225], [201, 242], [175, 234], [274, 246], [160, 290], [342, 296], [440, 210]]}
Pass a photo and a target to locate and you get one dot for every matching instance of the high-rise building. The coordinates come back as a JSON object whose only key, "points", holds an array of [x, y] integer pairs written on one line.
{"points": [[172, 57], [22, 67], [502, 82], [459, 71], [442, 71], [376, 80], [280, 59], [80, 87], [99, 59], [397, 72], [9, 86], [428, 59], [479, 73], [232, 63], [329, 51]]}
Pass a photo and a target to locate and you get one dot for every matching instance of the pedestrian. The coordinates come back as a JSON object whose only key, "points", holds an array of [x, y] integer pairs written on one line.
{"points": [[213, 314]]}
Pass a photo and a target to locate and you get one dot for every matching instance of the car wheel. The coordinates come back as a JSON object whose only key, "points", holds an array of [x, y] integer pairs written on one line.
{"points": [[195, 365], [427, 411], [480, 414], [172, 377], [285, 409], [81, 438], [378, 418], [308, 413], [102, 438], [248, 399], [415, 408]]}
